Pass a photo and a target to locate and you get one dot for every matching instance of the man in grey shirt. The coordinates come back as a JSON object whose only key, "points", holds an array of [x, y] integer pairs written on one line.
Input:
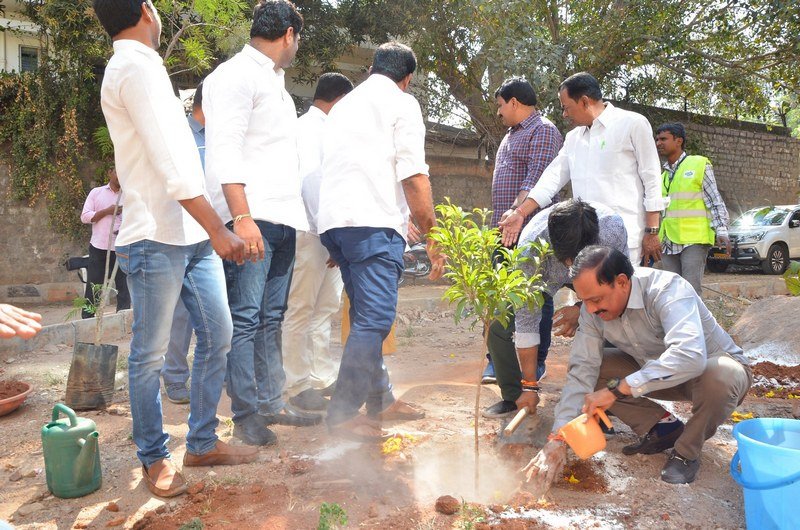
{"points": [[668, 347], [568, 227]]}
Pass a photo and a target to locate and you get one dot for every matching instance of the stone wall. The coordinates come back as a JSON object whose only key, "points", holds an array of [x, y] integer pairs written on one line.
{"points": [[754, 164], [32, 253]]}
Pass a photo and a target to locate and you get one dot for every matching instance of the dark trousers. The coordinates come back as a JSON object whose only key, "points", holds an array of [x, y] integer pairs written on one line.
{"points": [[94, 276], [504, 354]]}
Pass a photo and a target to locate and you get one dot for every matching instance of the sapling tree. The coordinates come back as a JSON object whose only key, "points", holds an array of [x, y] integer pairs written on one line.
{"points": [[486, 283]]}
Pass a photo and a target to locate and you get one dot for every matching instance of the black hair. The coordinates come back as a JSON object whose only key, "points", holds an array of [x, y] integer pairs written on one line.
{"points": [[517, 87], [607, 262], [197, 100], [118, 15], [677, 130], [331, 86], [273, 18], [394, 60], [572, 225], [582, 84]]}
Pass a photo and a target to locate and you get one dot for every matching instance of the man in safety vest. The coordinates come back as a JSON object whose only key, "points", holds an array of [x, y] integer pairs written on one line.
{"points": [[696, 216]]}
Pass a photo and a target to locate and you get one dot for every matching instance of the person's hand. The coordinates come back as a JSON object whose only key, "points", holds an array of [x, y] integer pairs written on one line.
{"points": [[414, 235], [599, 399], [546, 466], [651, 248], [565, 321], [528, 399], [228, 245], [725, 241], [16, 322], [437, 260], [510, 227], [248, 230], [330, 263]]}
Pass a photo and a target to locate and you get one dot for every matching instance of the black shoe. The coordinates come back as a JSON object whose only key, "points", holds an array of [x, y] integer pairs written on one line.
{"points": [[501, 409], [328, 390], [252, 431], [679, 470], [651, 443], [310, 399], [291, 416]]}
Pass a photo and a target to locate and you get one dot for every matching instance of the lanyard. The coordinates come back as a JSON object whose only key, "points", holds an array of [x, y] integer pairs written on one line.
{"points": [[668, 185]]}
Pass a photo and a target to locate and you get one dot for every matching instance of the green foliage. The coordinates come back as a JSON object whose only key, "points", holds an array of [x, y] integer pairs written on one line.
{"points": [[331, 516], [486, 281], [469, 516], [792, 278], [728, 59], [194, 524]]}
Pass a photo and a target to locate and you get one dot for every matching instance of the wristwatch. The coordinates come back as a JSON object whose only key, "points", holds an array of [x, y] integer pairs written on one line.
{"points": [[613, 386], [651, 230]]}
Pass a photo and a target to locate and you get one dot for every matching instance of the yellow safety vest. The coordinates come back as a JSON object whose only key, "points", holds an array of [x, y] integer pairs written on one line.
{"points": [[686, 220]]}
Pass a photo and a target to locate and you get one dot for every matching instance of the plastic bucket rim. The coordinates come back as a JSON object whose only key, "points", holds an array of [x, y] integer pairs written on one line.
{"points": [[739, 435]]}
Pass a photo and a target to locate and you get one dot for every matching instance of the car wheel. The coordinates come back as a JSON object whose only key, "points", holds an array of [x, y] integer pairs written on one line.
{"points": [[777, 260], [716, 266]]}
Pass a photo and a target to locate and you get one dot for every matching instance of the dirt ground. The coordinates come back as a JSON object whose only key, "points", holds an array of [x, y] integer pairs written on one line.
{"points": [[308, 472]]}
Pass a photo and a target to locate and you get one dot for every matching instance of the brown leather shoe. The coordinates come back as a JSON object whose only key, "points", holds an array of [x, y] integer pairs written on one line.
{"points": [[400, 411], [164, 479], [222, 455]]}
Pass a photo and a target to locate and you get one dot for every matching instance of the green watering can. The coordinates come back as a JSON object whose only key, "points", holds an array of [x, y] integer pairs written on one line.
{"points": [[71, 454]]}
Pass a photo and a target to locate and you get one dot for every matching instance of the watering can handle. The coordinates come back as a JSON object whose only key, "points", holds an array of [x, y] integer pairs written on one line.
{"points": [[772, 484], [68, 412], [602, 415]]}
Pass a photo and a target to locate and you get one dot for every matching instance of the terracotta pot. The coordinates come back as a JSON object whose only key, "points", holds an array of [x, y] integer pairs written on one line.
{"points": [[11, 404]]}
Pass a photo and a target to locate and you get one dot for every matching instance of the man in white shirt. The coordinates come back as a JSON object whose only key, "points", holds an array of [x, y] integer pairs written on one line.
{"points": [[163, 245], [610, 158], [373, 172], [316, 290], [251, 149]]}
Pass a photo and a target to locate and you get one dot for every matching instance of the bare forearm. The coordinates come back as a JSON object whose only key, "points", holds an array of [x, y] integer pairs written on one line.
{"points": [[528, 358], [528, 206], [202, 212], [420, 201], [236, 199], [652, 218], [521, 196]]}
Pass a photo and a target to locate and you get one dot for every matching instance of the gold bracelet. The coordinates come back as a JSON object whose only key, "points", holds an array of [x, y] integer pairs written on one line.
{"points": [[240, 217]]}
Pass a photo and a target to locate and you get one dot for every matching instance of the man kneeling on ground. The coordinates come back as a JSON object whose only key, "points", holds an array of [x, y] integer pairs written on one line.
{"points": [[568, 226], [668, 347]]}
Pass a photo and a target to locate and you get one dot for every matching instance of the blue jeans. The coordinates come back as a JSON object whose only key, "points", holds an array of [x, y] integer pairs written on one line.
{"points": [[158, 275], [258, 293], [371, 261], [176, 367]]}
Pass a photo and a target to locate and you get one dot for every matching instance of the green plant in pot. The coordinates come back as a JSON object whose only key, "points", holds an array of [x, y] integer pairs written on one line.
{"points": [[486, 282], [90, 384]]}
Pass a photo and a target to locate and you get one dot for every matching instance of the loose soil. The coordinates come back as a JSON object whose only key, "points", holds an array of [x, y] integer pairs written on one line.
{"points": [[435, 367], [9, 389]]}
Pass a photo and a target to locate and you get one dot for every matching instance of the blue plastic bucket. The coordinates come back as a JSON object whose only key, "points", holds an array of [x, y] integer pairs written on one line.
{"points": [[767, 466]]}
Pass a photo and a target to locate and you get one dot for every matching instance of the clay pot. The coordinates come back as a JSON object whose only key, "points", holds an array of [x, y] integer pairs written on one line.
{"points": [[10, 404], [584, 435]]}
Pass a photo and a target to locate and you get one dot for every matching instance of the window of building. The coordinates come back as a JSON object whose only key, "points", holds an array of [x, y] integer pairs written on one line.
{"points": [[28, 59]]}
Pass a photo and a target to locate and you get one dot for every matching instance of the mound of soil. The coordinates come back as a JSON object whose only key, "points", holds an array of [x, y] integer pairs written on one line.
{"points": [[586, 473], [774, 380], [9, 389]]}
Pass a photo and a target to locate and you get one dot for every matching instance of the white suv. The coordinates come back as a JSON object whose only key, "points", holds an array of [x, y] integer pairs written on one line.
{"points": [[767, 237]]}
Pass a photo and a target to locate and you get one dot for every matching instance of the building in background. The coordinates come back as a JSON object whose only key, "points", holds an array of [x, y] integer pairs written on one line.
{"points": [[20, 47]]}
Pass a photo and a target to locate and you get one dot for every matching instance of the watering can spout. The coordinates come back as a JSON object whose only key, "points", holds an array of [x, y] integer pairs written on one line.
{"points": [[85, 464]]}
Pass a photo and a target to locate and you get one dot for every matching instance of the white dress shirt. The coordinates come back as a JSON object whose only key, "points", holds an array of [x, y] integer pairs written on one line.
{"points": [[251, 128], [374, 139], [613, 162], [666, 328], [154, 151], [309, 146]]}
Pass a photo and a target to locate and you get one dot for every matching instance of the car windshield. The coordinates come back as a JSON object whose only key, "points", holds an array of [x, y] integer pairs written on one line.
{"points": [[769, 216]]}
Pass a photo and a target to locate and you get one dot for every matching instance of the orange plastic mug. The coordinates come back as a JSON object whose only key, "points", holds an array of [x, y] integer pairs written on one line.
{"points": [[585, 436]]}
